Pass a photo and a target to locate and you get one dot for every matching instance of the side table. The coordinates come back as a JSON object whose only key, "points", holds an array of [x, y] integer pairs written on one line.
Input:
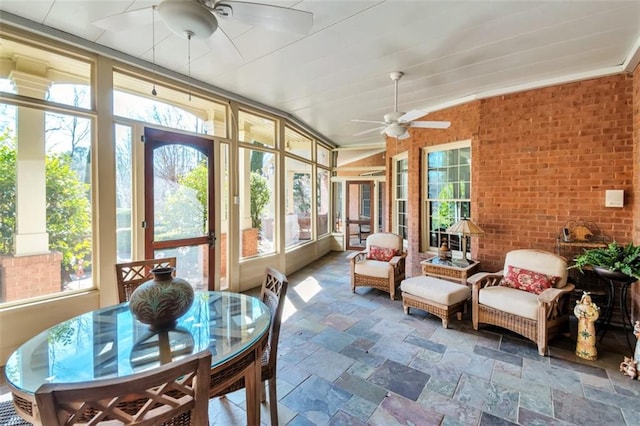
{"points": [[456, 270]]}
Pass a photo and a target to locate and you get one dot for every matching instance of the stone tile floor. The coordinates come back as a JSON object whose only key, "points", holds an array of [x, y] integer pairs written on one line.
{"points": [[357, 359]]}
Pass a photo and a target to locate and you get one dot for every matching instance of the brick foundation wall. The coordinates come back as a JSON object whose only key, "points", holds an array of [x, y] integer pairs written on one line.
{"points": [[249, 242], [29, 276], [539, 158]]}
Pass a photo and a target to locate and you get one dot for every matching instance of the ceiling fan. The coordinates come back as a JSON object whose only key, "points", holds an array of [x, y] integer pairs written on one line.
{"points": [[198, 19], [396, 123]]}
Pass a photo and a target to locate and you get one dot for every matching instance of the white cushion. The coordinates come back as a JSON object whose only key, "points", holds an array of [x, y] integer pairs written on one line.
{"points": [[436, 290], [510, 300], [373, 268], [540, 261], [385, 239]]}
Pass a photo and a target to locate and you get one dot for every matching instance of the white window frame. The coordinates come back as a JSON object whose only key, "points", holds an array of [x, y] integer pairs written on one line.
{"points": [[396, 201], [425, 240]]}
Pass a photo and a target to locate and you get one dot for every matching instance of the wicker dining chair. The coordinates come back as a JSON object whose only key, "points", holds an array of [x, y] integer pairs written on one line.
{"points": [[175, 394], [273, 293], [131, 274]]}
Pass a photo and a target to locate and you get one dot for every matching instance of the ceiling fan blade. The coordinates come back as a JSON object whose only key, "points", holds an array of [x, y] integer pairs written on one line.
{"points": [[411, 115], [430, 124], [222, 45], [369, 131], [126, 20], [266, 16], [368, 121]]}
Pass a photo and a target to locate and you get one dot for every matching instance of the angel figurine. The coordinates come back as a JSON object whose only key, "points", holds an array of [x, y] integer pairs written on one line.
{"points": [[587, 313]]}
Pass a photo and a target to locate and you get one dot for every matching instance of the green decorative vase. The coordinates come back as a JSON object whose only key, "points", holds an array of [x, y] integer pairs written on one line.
{"points": [[161, 301]]}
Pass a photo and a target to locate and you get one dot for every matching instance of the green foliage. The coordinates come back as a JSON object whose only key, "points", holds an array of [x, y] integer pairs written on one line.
{"points": [[68, 208], [7, 197], [614, 257], [260, 196], [68, 212]]}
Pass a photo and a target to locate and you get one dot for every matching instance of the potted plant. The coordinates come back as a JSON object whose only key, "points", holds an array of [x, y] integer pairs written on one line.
{"points": [[616, 259]]}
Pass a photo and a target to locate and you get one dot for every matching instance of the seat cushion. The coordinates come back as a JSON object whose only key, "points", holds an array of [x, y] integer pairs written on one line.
{"points": [[510, 300], [436, 290], [373, 268]]}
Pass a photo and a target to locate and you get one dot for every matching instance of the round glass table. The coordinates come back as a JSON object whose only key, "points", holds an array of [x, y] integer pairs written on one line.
{"points": [[110, 343]]}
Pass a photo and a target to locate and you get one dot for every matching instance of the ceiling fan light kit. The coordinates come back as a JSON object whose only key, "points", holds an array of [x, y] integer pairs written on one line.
{"points": [[188, 18], [397, 123]]}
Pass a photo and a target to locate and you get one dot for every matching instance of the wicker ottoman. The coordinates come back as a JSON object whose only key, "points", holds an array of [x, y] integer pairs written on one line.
{"points": [[438, 297]]}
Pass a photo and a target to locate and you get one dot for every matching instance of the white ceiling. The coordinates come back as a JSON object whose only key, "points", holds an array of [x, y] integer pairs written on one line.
{"points": [[450, 51]]}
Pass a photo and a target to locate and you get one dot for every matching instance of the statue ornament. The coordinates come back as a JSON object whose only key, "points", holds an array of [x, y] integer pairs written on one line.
{"points": [[587, 313], [636, 332]]}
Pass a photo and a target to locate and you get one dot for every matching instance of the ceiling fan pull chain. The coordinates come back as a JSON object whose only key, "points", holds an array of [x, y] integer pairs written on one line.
{"points": [[153, 47], [189, 34]]}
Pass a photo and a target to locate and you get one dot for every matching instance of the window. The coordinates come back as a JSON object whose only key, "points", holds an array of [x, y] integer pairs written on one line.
{"points": [[365, 201], [255, 129], [257, 202], [448, 192], [169, 108], [298, 202], [401, 177], [297, 144], [322, 190]]}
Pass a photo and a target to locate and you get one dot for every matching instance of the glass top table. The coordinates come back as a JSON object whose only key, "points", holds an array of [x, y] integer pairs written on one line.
{"points": [[110, 343]]}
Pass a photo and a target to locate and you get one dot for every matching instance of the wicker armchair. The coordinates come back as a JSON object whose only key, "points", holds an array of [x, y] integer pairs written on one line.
{"points": [[385, 275], [538, 317]]}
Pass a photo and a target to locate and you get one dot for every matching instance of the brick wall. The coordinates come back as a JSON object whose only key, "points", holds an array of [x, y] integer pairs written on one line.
{"points": [[539, 158], [29, 276], [635, 288]]}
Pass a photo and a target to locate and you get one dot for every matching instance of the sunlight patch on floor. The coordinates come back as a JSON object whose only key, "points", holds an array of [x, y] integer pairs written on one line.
{"points": [[307, 289]]}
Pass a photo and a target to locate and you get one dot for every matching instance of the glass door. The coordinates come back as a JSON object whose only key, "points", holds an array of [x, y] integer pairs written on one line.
{"points": [[359, 217], [179, 203]]}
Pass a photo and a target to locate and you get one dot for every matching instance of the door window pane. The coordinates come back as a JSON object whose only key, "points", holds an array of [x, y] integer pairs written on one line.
{"points": [[180, 192]]}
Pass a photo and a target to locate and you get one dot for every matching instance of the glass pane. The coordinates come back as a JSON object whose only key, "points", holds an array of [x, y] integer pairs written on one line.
{"points": [[191, 263], [124, 198], [224, 215], [324, 158], [63, 72], [256, 129], [298, 202], [323, 201], [337, 207], [180, 192], [169, 107], [296, 143], [258, 227], [68, 171]]}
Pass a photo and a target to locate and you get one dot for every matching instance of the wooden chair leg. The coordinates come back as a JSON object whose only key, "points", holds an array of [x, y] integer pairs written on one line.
{"points": [[273, 401]]}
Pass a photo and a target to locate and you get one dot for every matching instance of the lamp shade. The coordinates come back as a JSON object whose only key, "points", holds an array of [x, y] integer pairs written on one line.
{"points": [[465, 227]]}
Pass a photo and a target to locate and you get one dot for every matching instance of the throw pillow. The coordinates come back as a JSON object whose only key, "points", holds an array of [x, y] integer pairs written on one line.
{"points": [[383, 254], [524, 279]]}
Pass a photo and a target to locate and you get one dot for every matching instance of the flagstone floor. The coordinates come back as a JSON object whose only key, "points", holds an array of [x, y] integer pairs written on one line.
{"points": [[357, 359]]}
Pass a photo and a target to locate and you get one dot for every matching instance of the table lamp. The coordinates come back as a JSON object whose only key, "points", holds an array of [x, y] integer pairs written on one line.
{"points": [[465, 227]]}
